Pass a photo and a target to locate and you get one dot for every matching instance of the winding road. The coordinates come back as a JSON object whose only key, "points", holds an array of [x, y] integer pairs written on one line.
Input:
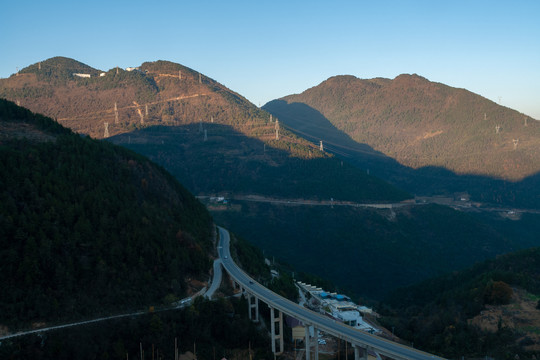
{"points": [[308, 317], [326, 324]]}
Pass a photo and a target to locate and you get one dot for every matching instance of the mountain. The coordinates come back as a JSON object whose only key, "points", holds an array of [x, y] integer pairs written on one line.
{"points": [[490, 309], [421, 123], [89, 228], [217, 143], [169, 112], [423, 136]]}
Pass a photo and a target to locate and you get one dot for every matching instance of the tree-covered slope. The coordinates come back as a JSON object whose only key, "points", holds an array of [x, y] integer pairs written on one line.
{"points": [[87, 227], [229, 162], [208, 136], [451, 315], [422, 123], [371, 252]]}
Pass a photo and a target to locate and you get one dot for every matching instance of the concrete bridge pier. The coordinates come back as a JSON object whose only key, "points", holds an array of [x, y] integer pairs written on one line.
{"points": [[307, 341], [316, 335], [279, 336], [360, 350], [253, 302]]}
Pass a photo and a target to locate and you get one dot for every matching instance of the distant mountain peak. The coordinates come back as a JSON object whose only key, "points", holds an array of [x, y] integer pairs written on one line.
{"points": [[401, 117], [59, 64]]}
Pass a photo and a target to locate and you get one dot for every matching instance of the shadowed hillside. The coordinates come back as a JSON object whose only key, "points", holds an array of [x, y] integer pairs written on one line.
{"points": [[422, 123], [229, 162], [371, 252], [89, 228], [163, 97], [490, 309], [303, 114]]}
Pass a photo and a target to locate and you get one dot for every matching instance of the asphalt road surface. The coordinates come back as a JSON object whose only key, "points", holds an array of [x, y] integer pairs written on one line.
{"points": [[326, 324]]}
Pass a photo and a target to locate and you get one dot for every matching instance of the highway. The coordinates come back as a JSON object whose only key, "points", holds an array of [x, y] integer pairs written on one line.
{"points": [[323, 323], [216, 281]]}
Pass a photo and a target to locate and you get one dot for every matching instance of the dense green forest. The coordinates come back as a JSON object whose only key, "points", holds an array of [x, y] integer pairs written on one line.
{"points": [[214, 329], [372, 252], [435, 313], [89, 228]]}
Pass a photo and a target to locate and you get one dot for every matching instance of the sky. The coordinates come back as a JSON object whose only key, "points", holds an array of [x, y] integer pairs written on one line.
{"points": [[268, 49]]}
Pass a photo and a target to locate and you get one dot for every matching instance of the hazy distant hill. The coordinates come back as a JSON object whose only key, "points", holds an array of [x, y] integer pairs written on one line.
{"points": [[490, 309], [165, 110], [421, 123], [87, 227]]}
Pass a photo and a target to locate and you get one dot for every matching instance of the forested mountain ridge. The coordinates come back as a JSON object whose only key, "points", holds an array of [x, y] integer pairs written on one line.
{"points": [[155, 93], [87, 227], [422, 123], [209, 137], [490, 309]]}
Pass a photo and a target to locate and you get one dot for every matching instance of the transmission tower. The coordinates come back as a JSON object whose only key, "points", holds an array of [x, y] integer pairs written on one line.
{"points": [[321, 147], [115, 113], [515, 141], [39, 65], [106, 135], [497, 128]]}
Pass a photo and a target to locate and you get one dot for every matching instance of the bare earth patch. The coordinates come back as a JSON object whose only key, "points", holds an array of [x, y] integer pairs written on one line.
{"points": [[429, 135], [521, 315]]}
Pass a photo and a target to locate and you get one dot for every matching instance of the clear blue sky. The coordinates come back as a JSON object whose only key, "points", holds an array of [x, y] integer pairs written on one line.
{"points": [[268, 49]]}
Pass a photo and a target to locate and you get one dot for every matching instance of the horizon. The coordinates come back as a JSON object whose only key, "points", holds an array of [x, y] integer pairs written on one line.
{"points": [[267, 51]]}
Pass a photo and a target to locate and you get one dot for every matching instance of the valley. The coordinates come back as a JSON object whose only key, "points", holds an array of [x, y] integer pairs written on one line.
{"points": [[341, 196]]}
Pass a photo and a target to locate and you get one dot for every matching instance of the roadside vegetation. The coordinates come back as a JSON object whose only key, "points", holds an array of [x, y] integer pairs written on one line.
{"points": [[211, 329]]}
